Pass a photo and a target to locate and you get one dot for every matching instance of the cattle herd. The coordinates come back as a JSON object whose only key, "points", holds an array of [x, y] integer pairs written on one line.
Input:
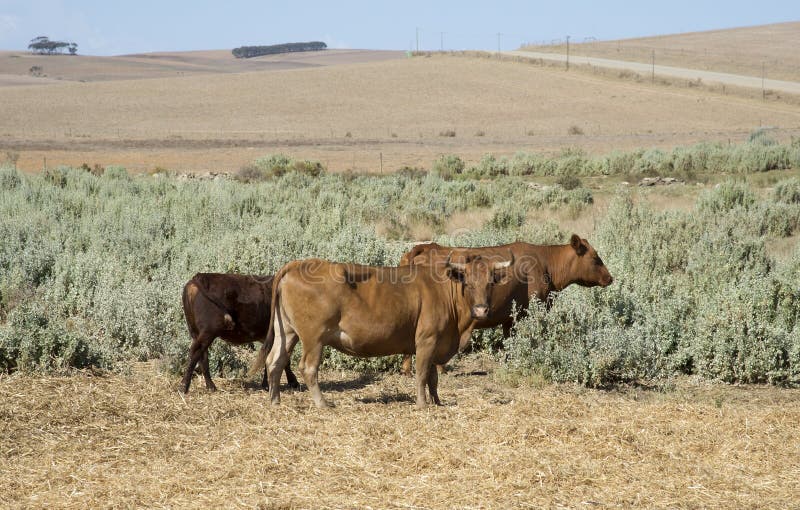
{"points": [[427, 306]]}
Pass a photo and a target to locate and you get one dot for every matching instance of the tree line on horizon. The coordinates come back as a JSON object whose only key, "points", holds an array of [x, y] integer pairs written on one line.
{"points": [[42, 45], [257, 51]]}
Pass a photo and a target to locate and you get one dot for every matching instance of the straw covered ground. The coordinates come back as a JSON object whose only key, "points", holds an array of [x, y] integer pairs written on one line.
{"points": [[132, 441]]}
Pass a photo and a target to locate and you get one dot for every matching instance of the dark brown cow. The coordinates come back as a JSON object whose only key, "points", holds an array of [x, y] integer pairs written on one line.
{"points": [[538, 271], [377, 311], [233, 307]]}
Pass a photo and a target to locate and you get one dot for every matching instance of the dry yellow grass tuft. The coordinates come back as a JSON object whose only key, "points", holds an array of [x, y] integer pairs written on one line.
{"points": [[134, 441]]}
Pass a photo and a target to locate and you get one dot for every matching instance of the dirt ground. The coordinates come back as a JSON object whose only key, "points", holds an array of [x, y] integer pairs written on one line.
{"points": [[353, 116], [737, 50], [133, 441]]}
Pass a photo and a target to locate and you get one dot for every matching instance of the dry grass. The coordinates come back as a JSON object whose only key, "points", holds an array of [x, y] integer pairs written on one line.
{"points": [[736, 50], [396, 108], [88, 442], [86, 68]]}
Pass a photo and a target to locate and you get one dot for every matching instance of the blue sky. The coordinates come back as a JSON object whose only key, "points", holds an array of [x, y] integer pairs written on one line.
{"points": [[107, 27]]}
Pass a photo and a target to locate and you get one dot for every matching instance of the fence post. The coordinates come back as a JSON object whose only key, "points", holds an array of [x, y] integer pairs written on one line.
{"points": [[653, 71]]}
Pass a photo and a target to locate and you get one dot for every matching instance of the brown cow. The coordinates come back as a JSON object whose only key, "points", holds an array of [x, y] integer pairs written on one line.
{"points": [[233, 307], [377, 311], [539, 271]]}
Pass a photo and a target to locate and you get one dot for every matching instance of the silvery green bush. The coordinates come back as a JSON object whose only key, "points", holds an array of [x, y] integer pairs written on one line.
{"points": [[695, 292], [92, 267]]}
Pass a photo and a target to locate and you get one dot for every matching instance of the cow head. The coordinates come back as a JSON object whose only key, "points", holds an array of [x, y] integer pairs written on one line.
{"points": [[477, 276], [584, 266]]}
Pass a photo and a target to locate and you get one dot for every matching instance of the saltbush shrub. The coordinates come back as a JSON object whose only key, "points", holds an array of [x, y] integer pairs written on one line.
{"points": [[787, 191], [448, 166], [92, 266]]}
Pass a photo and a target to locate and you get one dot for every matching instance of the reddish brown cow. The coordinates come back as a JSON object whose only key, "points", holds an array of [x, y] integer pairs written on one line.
{"points": [[233, 307], [377, 311], [538, 271]]}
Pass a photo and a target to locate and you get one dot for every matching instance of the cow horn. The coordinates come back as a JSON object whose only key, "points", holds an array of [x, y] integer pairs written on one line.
{"points": [[454, 265], [507, 263]]}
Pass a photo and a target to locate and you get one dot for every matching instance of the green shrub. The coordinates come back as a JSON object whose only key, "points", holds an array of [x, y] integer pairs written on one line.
{"points": [[91, 267], [307, 167], [490, 166], [250, 173], [448, 166], [761, 136], [9, 178], [274, 165], [410, 172], [569, 182], [726, 196], [787, 191]]}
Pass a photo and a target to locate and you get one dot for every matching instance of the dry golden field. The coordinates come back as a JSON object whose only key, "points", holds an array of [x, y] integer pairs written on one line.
{"points": [[350, 115], [735, 50], [133, 441]]}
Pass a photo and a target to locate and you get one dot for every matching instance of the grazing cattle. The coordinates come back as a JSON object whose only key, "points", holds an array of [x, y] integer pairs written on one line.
{"points": [[377, 311], [233, 307], [538, 271]]}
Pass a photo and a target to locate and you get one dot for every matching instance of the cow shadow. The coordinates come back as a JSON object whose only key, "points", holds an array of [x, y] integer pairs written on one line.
{"points": [[471, 373], [387, 398], [359, 382], [255, 385]]}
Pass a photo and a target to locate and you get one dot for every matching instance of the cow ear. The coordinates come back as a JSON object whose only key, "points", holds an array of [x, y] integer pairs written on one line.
{"points": [[577, 245], [501, 276], [455, 274]]}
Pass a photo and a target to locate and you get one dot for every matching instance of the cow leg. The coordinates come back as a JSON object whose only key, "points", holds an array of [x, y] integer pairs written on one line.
{"points": [[507, 325], [291, 380], [278, 359], [207, 372], [265, 380], [405, 368], [433, 384], [424, 369], [198, 348], [312, 356]]}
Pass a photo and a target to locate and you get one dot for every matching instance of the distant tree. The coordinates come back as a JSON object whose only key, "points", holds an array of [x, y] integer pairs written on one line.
{"points": [[257, 51], [44, 46]]}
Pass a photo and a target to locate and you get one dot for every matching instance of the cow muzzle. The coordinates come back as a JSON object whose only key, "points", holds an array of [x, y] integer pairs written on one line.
{"points": [[607, 281], [480, 311]]}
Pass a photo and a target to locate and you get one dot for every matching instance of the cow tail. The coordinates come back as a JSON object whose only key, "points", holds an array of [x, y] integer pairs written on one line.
{"points": [[188, 311], [202, 287], [261, 357]]}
